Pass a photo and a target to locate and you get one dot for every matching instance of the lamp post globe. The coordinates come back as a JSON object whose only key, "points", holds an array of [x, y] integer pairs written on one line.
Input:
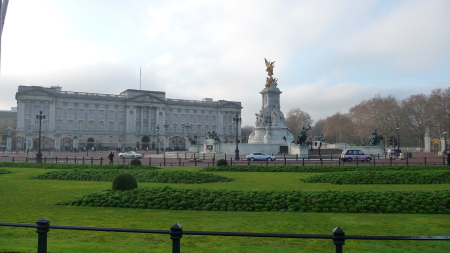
{"points": [[39, 154], [237, 120]]}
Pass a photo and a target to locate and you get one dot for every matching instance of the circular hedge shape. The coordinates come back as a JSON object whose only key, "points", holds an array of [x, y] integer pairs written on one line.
{"points": [[124, 182], [222, 162], [136, 162]]}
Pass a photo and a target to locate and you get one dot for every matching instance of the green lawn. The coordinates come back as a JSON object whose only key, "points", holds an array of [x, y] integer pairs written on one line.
{"points": [[24, 200]]}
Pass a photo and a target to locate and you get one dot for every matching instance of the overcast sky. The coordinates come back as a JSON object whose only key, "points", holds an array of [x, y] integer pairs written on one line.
{"points": [[330, 55]]}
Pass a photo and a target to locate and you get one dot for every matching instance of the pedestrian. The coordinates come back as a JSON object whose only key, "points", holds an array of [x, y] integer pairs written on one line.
{"points": [[111, 158]]}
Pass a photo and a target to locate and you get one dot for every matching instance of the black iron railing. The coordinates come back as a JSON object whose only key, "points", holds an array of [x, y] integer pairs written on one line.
{"points": [[176, 232]]}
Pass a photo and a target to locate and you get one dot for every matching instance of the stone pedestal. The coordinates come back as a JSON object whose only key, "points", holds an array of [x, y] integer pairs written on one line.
{"points": [[301, 150], [427, 140], [211, 146]]}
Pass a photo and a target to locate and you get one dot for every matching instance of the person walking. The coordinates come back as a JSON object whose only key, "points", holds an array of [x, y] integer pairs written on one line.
{"points": [[111, 158]]}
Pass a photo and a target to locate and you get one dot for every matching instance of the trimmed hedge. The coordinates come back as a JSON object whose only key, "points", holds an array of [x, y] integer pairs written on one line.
{"points": [[124, 182], [383, 177], [154, 176], [423, 202], [292, 168], [75, 166], [222, 162], [3, 171], [136, 162]]}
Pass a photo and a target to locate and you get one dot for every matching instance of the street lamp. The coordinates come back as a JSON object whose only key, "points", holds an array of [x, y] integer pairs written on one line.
{"points": [[397, 127], [39, 154], [445, 139], [237, 120], [157, 139]]}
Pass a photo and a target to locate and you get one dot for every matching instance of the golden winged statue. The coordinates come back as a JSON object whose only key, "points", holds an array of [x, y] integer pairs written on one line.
{"points": [[270, 65]]}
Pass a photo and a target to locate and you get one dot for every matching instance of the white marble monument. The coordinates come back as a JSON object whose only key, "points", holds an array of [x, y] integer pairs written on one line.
{"points": [[270, 125]]}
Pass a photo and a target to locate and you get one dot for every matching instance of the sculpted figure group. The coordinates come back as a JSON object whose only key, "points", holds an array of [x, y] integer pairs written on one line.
{"points": [[214, 136]]}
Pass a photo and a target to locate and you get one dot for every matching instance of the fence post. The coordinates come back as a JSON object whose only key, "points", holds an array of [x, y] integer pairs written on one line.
{"points": [[13, 159], [101, 159], [26, 159], [374, 158], [67, 159], [164, 157], [83, 159], [42, 226], [75, 161], [303, 161], [56, 159], [407, 161], [443, 160], [45, 160], [357, 161], [285, 159], [150, 161], [231, 161], [225, 156], [390, 160], [321, 162], [176, 232], [338, 239], [425, 159], [92, 160], [123, 160], [179, 162]]}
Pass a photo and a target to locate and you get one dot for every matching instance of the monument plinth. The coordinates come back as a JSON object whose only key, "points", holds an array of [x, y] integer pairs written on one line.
{"points": [[270, 125]]}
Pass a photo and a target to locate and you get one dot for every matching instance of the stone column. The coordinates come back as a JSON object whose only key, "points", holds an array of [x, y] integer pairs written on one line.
{"points": [[9, 143], [51, 116], [427, 140]]}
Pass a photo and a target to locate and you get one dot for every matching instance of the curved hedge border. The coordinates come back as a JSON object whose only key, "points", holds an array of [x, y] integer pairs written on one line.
{"points": [[383, 177], [424, 202], [76, 166], [153, 176], [3, 171], [292, 168]]}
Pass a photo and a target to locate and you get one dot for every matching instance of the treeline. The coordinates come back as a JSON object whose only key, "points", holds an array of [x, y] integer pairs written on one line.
{"points": [[413, 117]]}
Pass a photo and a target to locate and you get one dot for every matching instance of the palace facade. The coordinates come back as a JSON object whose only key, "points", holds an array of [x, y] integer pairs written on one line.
{"points": [[134, 118]]}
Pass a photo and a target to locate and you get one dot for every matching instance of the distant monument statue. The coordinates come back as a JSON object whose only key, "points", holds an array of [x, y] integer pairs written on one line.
{"points": [[375, 138], [193, 140], [301, 138], [319, 137], [270, 124], [214, 136]]}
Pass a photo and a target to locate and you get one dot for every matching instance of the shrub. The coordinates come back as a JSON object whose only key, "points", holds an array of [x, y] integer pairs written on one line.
{"points": [[136, 162], [124, 182], [222, 162]]}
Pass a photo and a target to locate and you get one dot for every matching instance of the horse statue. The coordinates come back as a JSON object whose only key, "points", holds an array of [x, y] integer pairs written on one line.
{"points": [[375, 139], [301, 138], [193, 140]]}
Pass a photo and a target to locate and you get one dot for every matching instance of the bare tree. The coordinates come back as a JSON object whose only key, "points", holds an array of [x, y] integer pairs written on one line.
{"points": [[245, 133], [440, 101], [296, 119], [318, 127], [338, 128], [418, 115]]}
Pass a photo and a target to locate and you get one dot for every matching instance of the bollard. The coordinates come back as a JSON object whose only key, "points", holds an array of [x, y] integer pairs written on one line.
{"points": [[338, 239], [92, 160], [357, 161], [303, 161], [75, 161], [390, 160], [56, 159], [374, 160], [284, 160], [267, 162], [225, 156], [101, 159], [248, 161], [67, 159], [164, 156], [26, 159], [83, 159], [149, 161], [176, 232], [195, 160], [179, 162], [231, 161], [123, 160], [45, 159], [42, 226], [13, 159], [425, 160]]}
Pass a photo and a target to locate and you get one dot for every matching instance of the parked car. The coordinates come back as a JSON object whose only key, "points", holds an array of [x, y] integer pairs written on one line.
{"points": [[260, 156], [349, 155], [130, 154]]}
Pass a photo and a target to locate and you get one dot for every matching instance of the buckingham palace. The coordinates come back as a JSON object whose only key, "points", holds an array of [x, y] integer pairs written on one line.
{"points": [[133, 119]]}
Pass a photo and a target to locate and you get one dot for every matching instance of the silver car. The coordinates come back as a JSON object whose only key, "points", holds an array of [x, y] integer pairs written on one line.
{"points": [[130, 154], [260, 156]]}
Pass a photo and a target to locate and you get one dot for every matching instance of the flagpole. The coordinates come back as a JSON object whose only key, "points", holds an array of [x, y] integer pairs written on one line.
{"points": [[3, 8], [140, 74]]}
